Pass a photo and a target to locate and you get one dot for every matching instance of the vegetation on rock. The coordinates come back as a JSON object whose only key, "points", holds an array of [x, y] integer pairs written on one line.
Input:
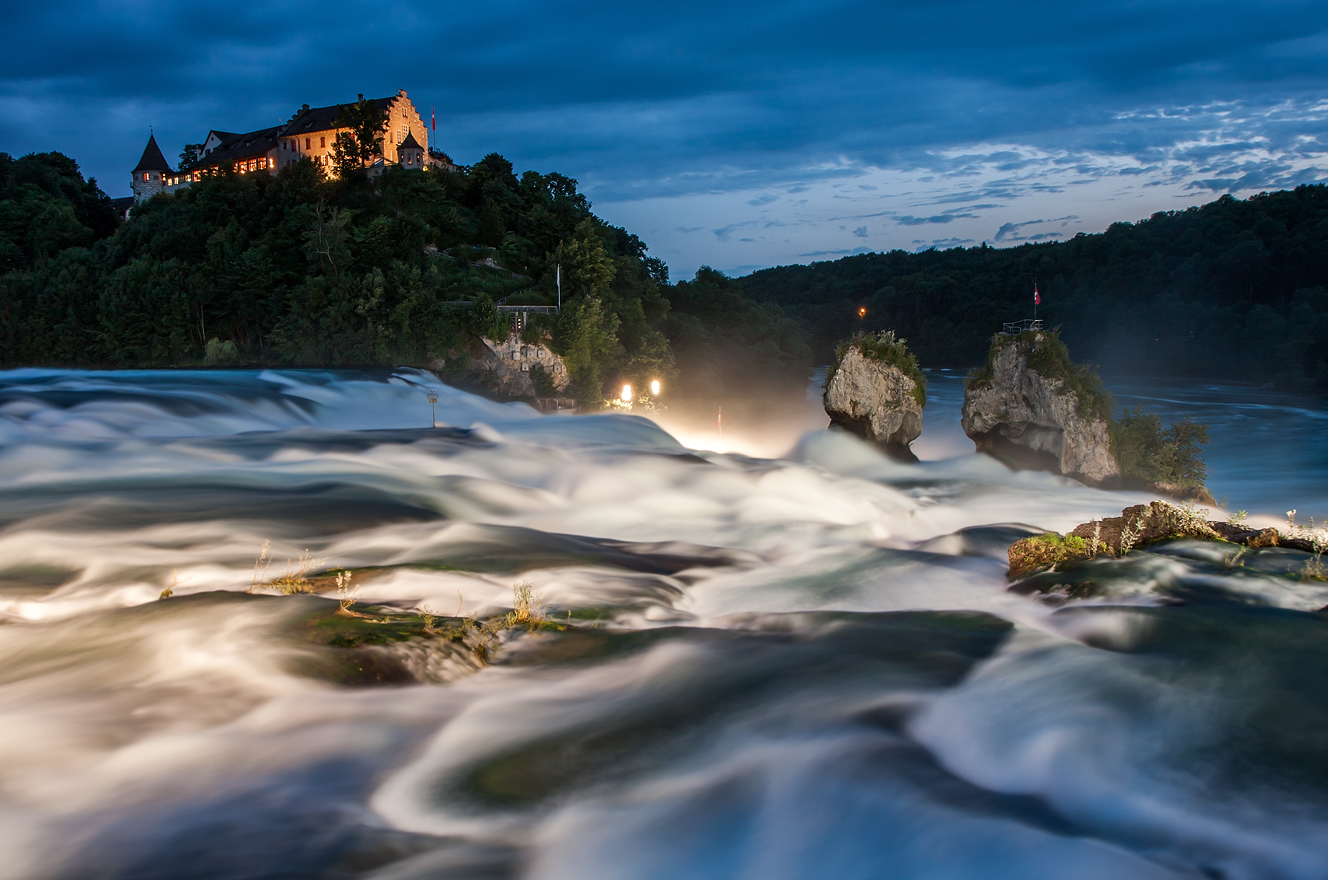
{"points": [[1149, 456], [885, 348]]}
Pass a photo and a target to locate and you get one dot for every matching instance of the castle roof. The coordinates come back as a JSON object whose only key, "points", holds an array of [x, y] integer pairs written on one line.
{"points": [[234, 147], [313, 119], [152, 159], [409, 143]]}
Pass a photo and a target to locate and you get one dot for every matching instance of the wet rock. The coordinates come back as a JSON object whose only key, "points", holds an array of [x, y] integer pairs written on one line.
{"points": [[1136, 526], [1030, 420], [876, 401]]}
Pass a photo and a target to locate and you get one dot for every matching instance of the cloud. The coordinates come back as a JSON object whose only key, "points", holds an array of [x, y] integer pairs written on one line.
{"points": [[910, 220], [841, 252], [860, 232], [1011, 231], [979, 109]]}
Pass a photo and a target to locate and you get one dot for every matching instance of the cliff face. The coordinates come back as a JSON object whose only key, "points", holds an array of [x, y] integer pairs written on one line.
{"points": [[1029, 420], [505, 367], [875, 401]]}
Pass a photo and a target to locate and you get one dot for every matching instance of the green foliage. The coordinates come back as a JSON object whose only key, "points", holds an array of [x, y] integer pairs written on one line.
{"points": [[220, 354], [1149, 454], [887, 349], [587, 339], [1235, 288], [543, 382], [362, 140], [403, 269]]}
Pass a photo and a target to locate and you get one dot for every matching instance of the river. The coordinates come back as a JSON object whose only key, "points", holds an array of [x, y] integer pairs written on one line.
{"points": [[768, 652]]}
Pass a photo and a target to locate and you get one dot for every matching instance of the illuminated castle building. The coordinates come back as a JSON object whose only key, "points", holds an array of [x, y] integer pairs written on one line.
{"points": [[309, 134]]}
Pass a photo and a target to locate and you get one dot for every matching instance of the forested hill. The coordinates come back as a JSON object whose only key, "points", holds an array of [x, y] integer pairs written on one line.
{"points": [[1232, 289], [402, 269]]}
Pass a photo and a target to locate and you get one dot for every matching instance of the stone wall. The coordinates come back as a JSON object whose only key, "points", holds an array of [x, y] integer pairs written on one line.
{"points": [[505, 366]]}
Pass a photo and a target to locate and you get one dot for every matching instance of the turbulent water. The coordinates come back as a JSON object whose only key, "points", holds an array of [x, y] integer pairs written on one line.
{"points": [[790, 658]]}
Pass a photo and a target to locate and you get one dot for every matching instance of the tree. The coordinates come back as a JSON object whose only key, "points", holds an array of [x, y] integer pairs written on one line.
{"points": [[189, 155], [361, 141]]}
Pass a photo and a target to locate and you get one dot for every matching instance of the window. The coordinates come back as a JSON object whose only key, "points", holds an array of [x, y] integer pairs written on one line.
{"points": [[306, 143], [322, 142], [145, 175]]}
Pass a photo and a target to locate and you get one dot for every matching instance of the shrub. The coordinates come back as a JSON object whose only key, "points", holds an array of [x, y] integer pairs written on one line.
{"points": [[1150, 454]]}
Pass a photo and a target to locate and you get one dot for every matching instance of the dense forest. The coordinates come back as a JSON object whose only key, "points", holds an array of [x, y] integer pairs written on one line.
{"points": [[401, 269], [1232, 289]]}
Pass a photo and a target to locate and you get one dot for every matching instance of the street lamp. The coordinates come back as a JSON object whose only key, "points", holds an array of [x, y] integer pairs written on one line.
{"points": [[626, 396], [654, 388]]}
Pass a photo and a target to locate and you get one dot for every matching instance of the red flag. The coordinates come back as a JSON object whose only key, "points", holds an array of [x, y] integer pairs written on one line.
{"points": [[1037, 297], [433, 119]]}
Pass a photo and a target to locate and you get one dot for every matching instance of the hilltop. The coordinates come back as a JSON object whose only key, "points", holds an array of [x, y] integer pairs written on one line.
{"points": [[1234, 289]]}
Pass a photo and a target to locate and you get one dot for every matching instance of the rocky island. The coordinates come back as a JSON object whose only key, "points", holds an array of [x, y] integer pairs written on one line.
{"points": [[875, 390], [1034, 408]]}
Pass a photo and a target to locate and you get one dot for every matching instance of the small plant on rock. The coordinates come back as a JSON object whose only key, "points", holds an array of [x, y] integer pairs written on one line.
{"points": [[347, 593]]}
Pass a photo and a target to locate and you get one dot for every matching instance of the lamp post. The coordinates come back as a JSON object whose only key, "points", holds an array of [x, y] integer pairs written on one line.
{"points": [[433, 416]]}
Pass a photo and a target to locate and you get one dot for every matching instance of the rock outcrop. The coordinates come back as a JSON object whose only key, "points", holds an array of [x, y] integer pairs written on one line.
{"points": [[1034, 421], [875, 401], [1136, 527], [505, 368]]}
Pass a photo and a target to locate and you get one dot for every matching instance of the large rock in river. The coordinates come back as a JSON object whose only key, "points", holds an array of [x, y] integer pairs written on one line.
{"points": [[876, 401], [1028, 419]]}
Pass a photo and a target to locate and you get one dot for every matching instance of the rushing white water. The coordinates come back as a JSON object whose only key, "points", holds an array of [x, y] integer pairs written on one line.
{"points": [[805, 664]]}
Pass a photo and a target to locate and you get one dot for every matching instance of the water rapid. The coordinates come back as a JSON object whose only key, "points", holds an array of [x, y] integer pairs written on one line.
{"points": [[778, 654]]}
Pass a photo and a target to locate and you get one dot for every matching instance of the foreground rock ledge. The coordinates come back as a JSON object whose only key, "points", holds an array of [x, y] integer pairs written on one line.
{"points": [[1135, 527], [875, 401]]}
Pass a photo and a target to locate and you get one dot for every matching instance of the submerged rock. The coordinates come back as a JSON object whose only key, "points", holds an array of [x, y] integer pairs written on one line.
{"points": [[876, 399], [1036, 419]]}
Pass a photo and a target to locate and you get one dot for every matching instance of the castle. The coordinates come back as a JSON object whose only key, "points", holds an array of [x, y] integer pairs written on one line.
{"points": [[309, 134]]}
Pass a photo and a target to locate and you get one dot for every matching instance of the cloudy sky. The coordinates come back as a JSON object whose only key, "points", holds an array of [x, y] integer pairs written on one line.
{"points": [[734, 134]]}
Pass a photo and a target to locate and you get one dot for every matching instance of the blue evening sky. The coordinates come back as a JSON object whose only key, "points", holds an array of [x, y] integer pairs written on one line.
{"points": [[734, 134]]}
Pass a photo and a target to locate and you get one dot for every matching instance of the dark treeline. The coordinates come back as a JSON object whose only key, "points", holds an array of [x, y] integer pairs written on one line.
{"points": [[1233, 289], [402, 269]]}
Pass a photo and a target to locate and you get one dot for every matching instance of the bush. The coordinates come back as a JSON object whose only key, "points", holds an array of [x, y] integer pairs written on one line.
{"points": [[1147, 453]]}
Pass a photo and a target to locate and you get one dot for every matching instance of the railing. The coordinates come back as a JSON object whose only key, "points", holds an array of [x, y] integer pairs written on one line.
{"points": [[1014, 328], [467, 303]]}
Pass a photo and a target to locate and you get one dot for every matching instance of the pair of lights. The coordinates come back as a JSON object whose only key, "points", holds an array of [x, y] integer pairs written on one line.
{"points": [[626, 396]]}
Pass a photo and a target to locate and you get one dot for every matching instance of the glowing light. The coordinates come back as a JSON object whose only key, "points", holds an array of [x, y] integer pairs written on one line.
{"points": [[862, 312], [626, 394], [654, 387]]}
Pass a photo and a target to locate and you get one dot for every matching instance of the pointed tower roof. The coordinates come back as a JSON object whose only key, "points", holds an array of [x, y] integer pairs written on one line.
{"points": [[152, 159], [410, 143]]}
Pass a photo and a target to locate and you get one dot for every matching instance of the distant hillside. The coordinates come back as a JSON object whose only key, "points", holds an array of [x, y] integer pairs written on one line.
{"points": [[1232, 289]]}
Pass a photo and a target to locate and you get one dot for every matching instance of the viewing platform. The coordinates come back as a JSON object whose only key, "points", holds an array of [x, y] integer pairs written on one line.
{"points": [[1014, 328]]}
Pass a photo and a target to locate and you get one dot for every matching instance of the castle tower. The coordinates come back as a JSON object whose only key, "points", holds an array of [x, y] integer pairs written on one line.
{"points": [[410, 154], [151, 172]]}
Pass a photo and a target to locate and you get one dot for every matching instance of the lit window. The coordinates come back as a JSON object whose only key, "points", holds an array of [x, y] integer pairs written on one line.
{"points": [[145, 175]]}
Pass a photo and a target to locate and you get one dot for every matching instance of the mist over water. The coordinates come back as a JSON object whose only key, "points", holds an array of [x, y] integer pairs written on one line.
{"points": [[787, 656]]}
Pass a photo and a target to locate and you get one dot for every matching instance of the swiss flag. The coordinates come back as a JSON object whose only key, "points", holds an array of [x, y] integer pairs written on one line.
{"points": [[1037, 297]]}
